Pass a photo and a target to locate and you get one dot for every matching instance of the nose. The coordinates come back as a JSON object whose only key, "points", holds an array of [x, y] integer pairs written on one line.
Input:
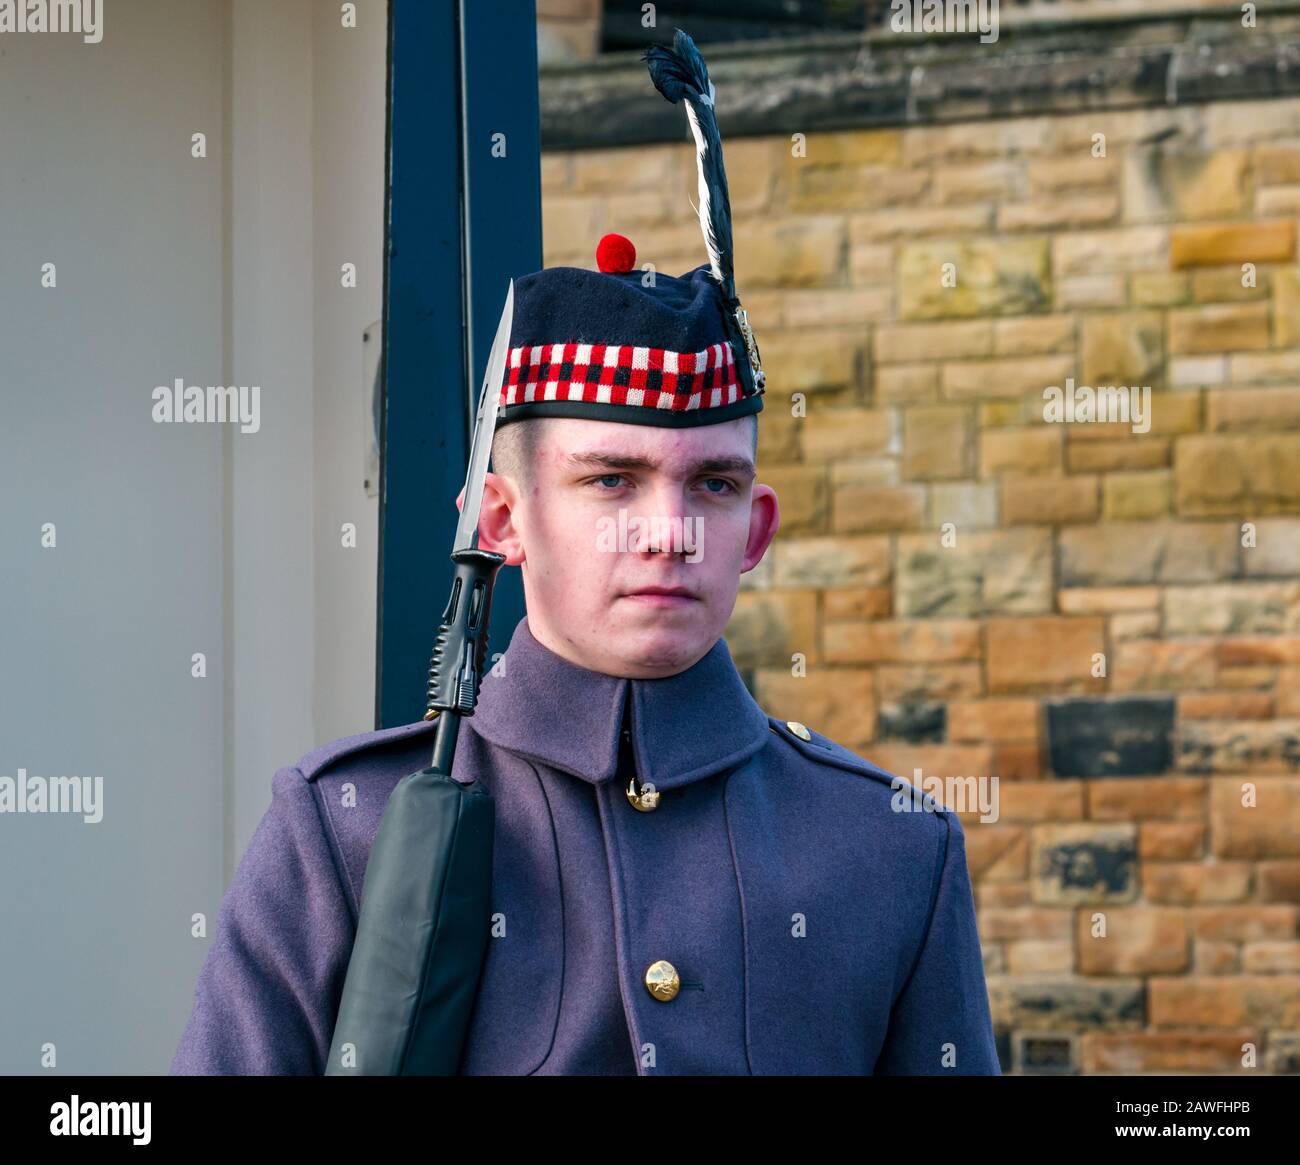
{"points": [[665, 521]]}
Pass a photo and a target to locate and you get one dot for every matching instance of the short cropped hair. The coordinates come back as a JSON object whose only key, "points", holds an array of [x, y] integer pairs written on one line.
{"points": [[514, 446]]}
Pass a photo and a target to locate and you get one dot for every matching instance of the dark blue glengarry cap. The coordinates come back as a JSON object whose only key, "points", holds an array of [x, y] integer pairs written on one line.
{"points": [[605, 345], [619, 344]]}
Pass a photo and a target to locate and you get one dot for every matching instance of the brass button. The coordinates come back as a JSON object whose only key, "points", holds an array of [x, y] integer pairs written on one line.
{"points": [[644, 798], [799, 730], [661, 980]]}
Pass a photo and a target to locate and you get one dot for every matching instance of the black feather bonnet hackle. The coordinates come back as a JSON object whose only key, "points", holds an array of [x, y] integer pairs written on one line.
{"points": [[680, 75]]}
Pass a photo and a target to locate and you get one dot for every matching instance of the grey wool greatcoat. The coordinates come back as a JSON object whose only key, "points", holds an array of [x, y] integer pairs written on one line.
{"points": [[811, 925]]}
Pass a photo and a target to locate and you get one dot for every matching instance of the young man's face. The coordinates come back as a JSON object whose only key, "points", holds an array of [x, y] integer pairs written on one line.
{"points": [[614, 509]]}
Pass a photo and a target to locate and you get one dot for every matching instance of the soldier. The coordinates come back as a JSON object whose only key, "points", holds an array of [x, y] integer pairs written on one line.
{"points": [[681, 883]]}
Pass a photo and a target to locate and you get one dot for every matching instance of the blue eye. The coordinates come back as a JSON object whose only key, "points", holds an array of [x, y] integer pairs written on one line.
{"points": [[617, 477], [728, 486]]}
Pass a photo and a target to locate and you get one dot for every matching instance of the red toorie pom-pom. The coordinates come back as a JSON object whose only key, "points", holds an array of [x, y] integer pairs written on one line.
{"points": [[615, 253]]}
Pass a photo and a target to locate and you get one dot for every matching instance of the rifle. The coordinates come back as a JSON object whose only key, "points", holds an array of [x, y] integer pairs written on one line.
{"points": [[425, 913]]}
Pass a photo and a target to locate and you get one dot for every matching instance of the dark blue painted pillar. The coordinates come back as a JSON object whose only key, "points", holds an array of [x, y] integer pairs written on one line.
{"points": [[464, 217]]}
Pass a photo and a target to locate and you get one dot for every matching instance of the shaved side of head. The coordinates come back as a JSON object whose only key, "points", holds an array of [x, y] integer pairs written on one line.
{"points": [[513, 448]]}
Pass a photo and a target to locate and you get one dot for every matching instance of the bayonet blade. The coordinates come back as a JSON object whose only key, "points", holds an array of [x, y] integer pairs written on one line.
{"points": [[485, 424]]}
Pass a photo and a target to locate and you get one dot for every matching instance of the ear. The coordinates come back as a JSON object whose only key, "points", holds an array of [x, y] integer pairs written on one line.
{"points": [[764, 521], [497, 527]]}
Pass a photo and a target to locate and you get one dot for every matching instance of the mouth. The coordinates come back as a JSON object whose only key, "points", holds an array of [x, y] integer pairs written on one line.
{"points": [[662, 596]]}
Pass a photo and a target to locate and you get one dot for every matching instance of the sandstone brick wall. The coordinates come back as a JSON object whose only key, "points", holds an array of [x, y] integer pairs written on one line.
{"points": [[1111, 627], [568, 30]]}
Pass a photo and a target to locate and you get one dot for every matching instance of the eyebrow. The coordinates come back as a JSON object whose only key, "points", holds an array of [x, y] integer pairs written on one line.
{"points": [[601, 460]]}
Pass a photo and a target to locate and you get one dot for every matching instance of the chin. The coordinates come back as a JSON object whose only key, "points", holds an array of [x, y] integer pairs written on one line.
{"points": [[673, 640]]}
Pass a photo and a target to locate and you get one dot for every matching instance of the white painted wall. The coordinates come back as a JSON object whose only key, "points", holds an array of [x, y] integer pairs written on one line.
{"points": [[350, 101], [174, 539], [272, 588]]}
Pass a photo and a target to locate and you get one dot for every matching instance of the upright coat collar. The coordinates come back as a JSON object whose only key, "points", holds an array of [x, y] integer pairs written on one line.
{"points": [[684, 727]]}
